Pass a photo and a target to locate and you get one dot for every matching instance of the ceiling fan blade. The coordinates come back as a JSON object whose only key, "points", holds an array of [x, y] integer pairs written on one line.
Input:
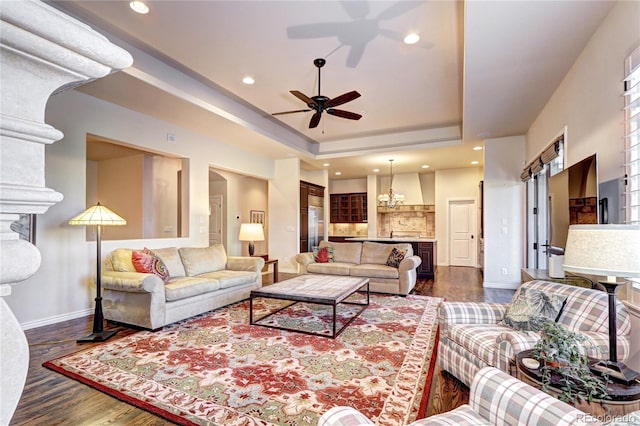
{"points": [[397, 9], [344, 114], [304, 98], [342, 99], [315, 120], [290, 112]]}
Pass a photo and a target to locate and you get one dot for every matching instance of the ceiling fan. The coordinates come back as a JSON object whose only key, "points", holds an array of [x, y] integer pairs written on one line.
{"points": [[320, 103]]}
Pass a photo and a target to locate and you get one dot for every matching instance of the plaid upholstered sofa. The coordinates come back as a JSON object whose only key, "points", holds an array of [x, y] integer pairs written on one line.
{"points": [[495, 399], [472, 335]]}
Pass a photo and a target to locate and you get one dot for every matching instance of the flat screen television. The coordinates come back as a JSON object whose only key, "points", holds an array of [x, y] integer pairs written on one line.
{"points": [[573, 199]]}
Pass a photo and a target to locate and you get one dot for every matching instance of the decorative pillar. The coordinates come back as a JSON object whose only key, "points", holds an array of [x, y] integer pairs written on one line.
{"points": [[42, 50]]}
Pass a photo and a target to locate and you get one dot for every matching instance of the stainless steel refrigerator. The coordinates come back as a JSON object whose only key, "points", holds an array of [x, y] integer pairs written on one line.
{"points": [[316, 221]]}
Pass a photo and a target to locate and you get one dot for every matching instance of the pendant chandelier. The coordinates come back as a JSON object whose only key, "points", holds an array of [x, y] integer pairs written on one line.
{"points": [[390, 200]]}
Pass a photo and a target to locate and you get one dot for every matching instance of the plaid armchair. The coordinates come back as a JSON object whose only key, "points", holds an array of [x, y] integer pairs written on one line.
{"points": [[495, 399], [472, 336]]}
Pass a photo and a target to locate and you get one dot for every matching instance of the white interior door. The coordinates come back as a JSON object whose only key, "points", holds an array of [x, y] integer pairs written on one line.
{"points": [[462, 234], [215, 220]]}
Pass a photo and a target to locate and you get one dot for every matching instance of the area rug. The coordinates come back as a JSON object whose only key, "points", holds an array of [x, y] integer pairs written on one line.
{"points": [[216, 369]]}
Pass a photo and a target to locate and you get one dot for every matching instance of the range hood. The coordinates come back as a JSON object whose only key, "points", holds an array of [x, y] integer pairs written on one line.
{"points": [[407, 184]]}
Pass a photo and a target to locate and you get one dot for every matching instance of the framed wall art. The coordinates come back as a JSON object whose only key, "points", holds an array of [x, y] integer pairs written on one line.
{"points": [[256, 216]]}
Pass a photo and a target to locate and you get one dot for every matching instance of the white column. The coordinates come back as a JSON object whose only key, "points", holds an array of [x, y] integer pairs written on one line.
{"points": [[42, 50]]}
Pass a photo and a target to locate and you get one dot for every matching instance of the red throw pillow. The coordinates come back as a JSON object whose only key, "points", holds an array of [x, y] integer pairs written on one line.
{"points": [[323, 255], [147, 262]]}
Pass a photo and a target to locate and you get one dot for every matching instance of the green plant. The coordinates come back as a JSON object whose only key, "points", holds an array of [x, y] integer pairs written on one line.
{"points": [[560, 351]]}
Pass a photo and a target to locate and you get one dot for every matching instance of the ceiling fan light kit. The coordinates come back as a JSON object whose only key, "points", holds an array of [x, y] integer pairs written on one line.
{"points": [[320, 103]]}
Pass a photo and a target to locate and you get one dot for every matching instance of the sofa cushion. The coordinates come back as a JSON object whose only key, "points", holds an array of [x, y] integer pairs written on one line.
{"points": [[375, 271], [334, 268], [585, 309], [378, 253], [344, 252], [121, 260], [395, 257], [531, 308], [183, 287], [200, 260], [228, 278], [172, 261], [479, 339], [323, 254], [147, 262]]}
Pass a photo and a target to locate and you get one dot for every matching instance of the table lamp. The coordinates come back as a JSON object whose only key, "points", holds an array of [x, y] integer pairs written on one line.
{"points": [[251, 232], [99, 216], [612, 251]]}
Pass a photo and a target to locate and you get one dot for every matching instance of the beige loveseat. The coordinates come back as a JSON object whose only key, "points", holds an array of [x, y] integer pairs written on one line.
{"points": [[200, 279], [366, 259]]}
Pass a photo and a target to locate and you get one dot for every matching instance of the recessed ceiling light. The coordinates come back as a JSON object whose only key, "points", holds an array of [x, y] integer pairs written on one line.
{"points": [[425, 166], [326, 164], [474, 162], [477, 148], [411, 38], [248, 80], [376, 170], [139, 7], [338, 173]]}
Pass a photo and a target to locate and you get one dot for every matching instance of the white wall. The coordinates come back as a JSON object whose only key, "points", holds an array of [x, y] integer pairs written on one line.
{"points": [[284, 221], [347, 186], [65, 278], [589, 102], [589, 99], [503, 211], [452, 183]]}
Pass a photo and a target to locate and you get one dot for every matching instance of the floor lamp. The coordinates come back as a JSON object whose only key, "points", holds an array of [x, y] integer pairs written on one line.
{"points": [[612, 251], [99, 216]]}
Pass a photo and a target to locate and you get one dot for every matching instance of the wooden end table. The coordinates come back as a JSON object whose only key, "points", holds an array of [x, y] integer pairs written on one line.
{"points": [[624, 398]]}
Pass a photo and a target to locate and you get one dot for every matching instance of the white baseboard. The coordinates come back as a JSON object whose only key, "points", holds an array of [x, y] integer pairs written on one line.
{"points": [[502, 286], [56, 319]]}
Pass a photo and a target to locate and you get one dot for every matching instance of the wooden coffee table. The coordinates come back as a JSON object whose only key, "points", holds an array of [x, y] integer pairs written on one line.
{"points": [[327, 290], [624, 398]]}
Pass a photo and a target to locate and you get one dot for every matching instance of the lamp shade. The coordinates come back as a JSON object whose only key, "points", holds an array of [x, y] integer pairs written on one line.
{"points": [[611, 250], [98, 215], [251, 232]]}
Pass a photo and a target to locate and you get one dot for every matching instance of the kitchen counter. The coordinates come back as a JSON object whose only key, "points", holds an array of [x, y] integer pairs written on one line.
{"points": [[395, 239], [426, 248]]}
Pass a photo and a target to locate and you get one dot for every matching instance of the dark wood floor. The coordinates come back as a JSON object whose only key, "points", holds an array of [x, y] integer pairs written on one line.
{"points": [[52, 399]]}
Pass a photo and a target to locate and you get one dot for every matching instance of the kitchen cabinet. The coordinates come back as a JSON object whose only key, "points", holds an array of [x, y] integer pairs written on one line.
{"points": [[426, 249], [427, 252], [348, 208]]}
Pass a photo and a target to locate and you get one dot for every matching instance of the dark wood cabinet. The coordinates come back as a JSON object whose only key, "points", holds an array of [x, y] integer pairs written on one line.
{"points": [[427, 253], [348, 208]]}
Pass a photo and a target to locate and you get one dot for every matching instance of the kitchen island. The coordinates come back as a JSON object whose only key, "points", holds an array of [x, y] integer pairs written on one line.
{"points": [[426, 248]]}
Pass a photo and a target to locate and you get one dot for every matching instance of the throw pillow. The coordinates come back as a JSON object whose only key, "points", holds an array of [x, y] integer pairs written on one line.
{"points": [[395, 257], [323, 254], [147, 262], [531, 308]]}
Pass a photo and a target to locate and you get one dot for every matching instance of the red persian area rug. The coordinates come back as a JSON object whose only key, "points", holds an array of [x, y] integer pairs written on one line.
{"points": [[216, 369]]}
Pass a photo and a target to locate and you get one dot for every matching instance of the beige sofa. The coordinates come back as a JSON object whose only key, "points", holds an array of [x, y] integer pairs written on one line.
{"points": [[200, 279], [367, 259]]}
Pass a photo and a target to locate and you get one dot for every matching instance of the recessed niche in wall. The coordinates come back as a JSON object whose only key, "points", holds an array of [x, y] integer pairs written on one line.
{"points": [[146, 188]]}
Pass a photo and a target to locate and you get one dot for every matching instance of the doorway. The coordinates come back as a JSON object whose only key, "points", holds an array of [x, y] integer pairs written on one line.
{"points": [[462, 232], [215, 219]]}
